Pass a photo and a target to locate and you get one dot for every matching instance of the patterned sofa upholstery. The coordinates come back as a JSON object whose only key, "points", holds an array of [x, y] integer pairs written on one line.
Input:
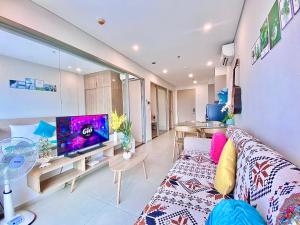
{"points": [[264, 179]]}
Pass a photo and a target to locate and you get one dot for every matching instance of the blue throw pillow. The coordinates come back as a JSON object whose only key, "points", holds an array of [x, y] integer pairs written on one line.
{"points": [[229, 212], [45, 129]]}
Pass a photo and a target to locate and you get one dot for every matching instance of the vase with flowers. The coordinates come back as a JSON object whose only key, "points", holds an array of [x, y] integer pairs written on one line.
{"points": [[116, 123], [229, 118], [126, 139]]}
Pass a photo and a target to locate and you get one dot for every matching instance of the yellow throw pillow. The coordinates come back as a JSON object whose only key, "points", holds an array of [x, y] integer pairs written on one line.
{"points": [[226, 169]]}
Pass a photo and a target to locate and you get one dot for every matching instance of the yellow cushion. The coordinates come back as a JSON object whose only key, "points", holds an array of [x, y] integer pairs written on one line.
{"points": [[226, 169]]}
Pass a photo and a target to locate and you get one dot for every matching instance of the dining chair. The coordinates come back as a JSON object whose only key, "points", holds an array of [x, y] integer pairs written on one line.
{"points": [[209, 132], [180, 133]]}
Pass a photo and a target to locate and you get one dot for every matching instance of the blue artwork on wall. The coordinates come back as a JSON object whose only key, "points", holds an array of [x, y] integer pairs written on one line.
{"points": [[32, 84]]}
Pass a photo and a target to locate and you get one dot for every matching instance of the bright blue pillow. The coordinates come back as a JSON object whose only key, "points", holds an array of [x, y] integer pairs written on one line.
{"points": [[45, 129], [229, 212]]}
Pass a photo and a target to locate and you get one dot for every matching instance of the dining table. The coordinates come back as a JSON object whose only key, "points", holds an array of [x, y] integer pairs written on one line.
{"points": [[203, 126]]}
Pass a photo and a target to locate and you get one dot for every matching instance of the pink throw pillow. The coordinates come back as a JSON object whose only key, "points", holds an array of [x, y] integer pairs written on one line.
{"points": [[217, 143]]}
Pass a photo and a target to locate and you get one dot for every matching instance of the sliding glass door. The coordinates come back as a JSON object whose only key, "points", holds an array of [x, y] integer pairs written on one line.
{"points": [[134, 106]]}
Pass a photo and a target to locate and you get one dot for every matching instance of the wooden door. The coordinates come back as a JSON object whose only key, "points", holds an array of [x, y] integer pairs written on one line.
{"points": [[91, 101], [90, 82]]}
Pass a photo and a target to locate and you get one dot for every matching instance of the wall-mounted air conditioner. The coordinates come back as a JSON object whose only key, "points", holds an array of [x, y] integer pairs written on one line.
{"points": [[227, 54]]}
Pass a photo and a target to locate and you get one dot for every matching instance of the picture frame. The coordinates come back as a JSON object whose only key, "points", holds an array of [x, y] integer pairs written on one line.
{"points": [[286, 12], [257, 49], [30, 83], [253, 56], [296, 6], [274, 25], [39, 85], [264, 39]]}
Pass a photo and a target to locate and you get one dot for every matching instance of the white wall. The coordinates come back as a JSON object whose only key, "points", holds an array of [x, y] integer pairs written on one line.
{"points": [[17, 103], [220, 83], [201, 101], [270, 88], [135, 102], [153, 102], [33, 16], [162, 108]]}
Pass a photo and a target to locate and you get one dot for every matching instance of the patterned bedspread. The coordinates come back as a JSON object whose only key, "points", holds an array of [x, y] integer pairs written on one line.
{"points": [[186, 196]]}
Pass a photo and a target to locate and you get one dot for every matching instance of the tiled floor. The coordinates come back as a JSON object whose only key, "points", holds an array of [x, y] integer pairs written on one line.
{"points": [[94, 200]]}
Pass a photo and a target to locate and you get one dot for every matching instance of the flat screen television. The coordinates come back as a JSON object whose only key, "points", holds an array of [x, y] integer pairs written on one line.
{"points": [[76, 133]]}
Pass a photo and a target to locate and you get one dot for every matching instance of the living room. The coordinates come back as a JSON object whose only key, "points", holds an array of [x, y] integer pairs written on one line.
{"points": [[147, 78]]}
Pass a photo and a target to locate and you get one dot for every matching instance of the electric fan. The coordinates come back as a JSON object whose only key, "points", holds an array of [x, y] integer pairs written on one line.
{"points": [[17, 157]]}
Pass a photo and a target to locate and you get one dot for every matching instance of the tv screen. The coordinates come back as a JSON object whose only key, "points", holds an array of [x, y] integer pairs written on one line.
{"points": [[78, 132]]}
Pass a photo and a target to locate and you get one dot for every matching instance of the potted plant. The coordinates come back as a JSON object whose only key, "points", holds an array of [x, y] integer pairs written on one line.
{"points": [[45, 151], [229, 118], [126, 139], [116, 123]]}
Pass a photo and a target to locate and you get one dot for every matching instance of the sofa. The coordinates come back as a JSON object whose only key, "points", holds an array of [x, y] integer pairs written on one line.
{"points": [[264, 179]]}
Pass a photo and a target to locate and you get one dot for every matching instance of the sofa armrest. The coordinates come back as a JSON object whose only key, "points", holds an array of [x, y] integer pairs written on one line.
{"points": [[197, 144]]}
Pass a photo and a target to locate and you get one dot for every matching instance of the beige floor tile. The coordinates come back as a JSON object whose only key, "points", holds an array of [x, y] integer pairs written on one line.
{"points": [[94, 200]]}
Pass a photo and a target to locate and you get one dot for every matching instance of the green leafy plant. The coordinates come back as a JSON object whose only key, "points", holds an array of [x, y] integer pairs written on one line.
{"points": [[127, 135], [44, 147], [229, 116], [286, 8]]}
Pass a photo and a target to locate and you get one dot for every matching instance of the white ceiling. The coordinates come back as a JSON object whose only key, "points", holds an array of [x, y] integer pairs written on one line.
{"points": [[163, 29], [25, 49]]}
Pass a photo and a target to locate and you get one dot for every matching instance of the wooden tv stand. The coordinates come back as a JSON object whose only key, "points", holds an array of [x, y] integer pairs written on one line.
{"points": [[78, 168]]}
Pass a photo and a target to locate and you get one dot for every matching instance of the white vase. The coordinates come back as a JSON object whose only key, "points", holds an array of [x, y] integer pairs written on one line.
{"points": [[132, 150], [127, 155], [115, 137]]}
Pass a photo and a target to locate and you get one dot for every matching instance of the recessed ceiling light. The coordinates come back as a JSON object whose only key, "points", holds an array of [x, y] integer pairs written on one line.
{"points": [[191, 75], [207, 27], [195, 82], [165, 71], [78, 70], [135, 47], [209, 63], [101, 21], [69, 67]]}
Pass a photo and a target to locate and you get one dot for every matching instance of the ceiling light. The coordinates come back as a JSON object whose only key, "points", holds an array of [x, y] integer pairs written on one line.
{"points": [[101, 21], [165, 71], [78, 70], [195, 82], [207, 27], [135, 47], [69, 67], [209, 63], [191, 75]]}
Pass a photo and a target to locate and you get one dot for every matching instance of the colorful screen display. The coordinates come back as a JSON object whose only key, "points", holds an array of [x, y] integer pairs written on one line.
{"points": [[79, 132]]}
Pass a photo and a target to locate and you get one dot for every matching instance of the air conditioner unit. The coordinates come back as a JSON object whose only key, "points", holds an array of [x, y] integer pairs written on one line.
{"points": [[227, 54]]}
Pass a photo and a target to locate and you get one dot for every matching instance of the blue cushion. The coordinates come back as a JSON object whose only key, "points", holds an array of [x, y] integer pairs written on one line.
{"points": [[229, 212], [45, 129]]}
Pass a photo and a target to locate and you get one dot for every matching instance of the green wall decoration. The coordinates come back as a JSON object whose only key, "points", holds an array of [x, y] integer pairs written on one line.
{"points": [[264, 38], [274, 25], [271, 31], [286, 13], [296, 6]]}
